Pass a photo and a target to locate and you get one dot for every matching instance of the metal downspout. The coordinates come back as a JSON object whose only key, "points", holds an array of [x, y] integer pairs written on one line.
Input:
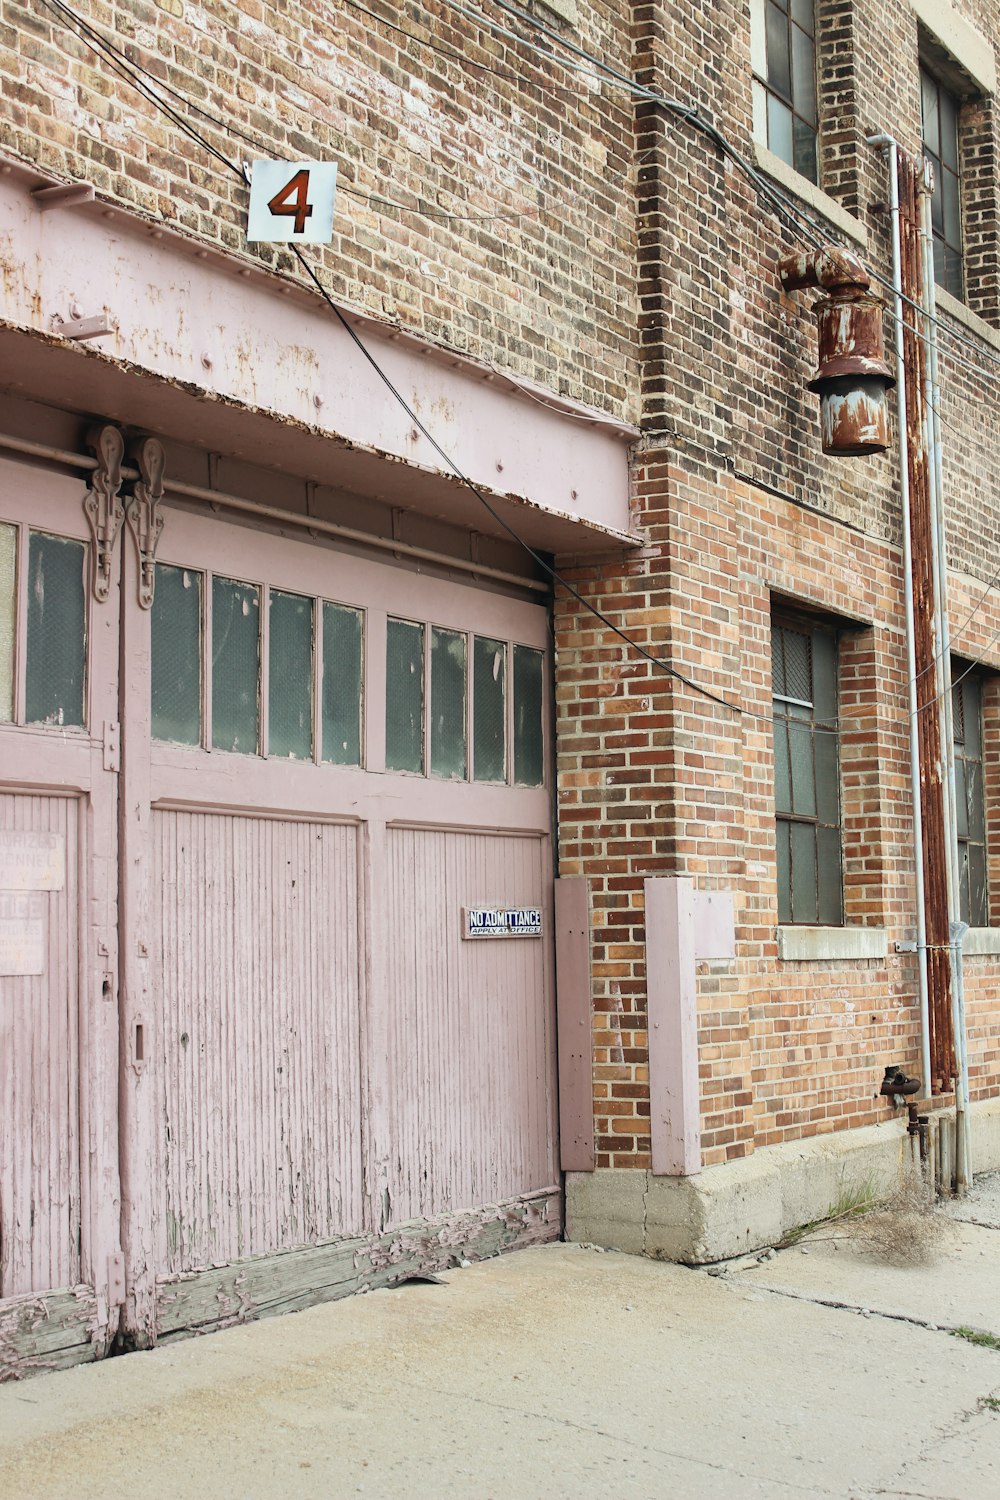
{"points": [[888, 145], [936, 475]]}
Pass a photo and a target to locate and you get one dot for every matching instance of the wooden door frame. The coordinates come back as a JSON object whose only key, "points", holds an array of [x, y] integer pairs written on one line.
{"points": [[56, 1327]]}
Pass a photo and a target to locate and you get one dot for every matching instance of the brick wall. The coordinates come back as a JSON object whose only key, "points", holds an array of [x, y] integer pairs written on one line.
{"points": [[425, 108], [739, 508]]}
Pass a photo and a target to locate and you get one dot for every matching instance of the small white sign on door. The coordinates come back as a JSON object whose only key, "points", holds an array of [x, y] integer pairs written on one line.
{"points": [[501, 921], [292, 200], [22, 934], [31, 861]]}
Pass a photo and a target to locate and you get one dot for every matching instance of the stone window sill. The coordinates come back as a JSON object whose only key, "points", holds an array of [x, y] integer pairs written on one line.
{"points": [[981, 942], [810, 194], [832, 944], [954, 308]]}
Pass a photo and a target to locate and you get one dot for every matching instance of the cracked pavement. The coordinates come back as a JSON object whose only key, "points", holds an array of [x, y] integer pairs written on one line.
{"points": [[561, 1371]]}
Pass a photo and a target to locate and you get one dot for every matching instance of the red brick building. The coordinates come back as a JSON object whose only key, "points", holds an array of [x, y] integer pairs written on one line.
{"points": [[367, 891]]}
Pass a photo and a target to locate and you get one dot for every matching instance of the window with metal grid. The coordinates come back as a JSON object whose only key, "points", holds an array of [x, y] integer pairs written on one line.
{"points": [[807, 773], [940, 119], [783, 56], [970, 802]]}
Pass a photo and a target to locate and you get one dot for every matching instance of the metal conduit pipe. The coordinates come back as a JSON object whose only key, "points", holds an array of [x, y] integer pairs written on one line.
{"points": [[888, 146], [272, 512], [936, 475]]}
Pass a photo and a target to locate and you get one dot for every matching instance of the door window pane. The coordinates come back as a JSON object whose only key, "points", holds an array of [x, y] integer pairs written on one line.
{"points": [[57, 622], [489, 709], [404, 696], [342, 656], [290, 676], [235, 666], [176, 649], [529, 764], [448, 693], [8, 618]]}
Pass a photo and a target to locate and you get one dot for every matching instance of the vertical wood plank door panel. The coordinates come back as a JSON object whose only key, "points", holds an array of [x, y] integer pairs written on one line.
{"points": [[256, 931], [39, 1073], [469, 1073]]}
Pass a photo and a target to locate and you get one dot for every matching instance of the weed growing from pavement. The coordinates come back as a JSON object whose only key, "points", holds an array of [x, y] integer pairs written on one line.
{"points": [[983, 1340], [989, 1403], [901, 1231]]}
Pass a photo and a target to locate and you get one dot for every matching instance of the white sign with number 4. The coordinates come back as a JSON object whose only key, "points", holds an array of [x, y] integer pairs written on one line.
{"points": [[292, 200]]}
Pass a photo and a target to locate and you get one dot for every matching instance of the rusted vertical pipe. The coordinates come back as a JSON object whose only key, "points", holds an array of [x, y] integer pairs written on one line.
{"points": [[935, 844]]}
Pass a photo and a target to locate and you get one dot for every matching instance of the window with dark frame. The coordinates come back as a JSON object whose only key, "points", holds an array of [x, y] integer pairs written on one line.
{"points": [[970, 809], [783, 49], [940, 116], [807, 773]]}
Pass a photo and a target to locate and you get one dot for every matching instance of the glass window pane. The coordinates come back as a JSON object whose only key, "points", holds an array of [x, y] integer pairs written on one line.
{"points": [[489, 707], [57, 623], [929, 112], [779, 129], [952, 278], [952, 209], [758, 42], [235, 666], [8, 619], [978, 913], [827, 776], [779, 63], [824, 674], [961, 800], [948, 110], [176, 650], [804, 14], [804, 149], [804, 908], [975, 800], [784, 873], [778, 661], [830, 877], [798, 665], [290, 676], [800, 745], [803, 75], [529, 763], [970, 715], [964, 908], [782, 767], [448, 695], [342, 685], [404, 696]]}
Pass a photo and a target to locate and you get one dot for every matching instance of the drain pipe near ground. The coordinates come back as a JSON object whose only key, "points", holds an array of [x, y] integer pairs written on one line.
{"points": [[888, 145], [957, 928]]}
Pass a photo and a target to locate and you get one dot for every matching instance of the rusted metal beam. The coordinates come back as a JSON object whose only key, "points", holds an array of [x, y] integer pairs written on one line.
{"points": [[935, 848]]}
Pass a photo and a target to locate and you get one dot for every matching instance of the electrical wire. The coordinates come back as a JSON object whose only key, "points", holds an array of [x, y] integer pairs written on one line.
{"points": [[790, 207], [539, 559]]}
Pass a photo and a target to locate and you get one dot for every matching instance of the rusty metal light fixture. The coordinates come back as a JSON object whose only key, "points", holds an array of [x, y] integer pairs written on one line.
{"points": [[852, 377]]}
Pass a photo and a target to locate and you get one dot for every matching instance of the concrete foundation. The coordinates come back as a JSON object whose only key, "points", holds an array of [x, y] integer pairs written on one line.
{"points": [[747, 1205]]}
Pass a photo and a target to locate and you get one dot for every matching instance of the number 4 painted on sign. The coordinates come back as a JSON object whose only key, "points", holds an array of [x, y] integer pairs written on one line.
{"points": [[292, 201]]}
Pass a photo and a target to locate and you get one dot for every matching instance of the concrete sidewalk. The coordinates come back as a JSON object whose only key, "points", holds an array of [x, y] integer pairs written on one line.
{"points": [[560, 1372]]}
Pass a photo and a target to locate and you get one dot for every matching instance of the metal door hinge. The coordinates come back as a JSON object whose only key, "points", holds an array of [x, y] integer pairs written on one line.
{"points": [[102, 507], [144, 519], [112, 745], [116, 1280]]}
